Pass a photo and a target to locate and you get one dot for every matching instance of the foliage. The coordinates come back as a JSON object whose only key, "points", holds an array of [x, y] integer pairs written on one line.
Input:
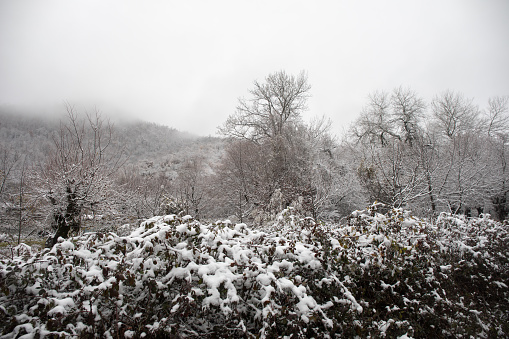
{"points": [[379, 275]]}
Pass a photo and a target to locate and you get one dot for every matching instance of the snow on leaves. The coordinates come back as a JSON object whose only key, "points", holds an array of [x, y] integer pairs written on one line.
{"points": [[379, 275]]}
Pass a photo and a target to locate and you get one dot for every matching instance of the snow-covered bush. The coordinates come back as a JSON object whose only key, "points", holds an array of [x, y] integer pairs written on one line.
{"points": [[380, 275]]}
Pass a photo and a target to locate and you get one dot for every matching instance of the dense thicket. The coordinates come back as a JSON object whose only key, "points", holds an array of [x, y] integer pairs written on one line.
{"points": [[378, 275]]}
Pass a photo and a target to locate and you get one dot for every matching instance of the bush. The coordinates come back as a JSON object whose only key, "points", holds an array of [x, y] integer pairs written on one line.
{"points": [[379, 275]]}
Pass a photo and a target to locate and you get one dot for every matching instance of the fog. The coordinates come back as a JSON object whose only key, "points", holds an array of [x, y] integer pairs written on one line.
{"points": [[185, 64]]}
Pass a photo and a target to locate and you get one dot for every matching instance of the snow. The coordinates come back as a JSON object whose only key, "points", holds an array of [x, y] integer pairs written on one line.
{"points": [[173, 267], [445, 268], [34, 289], [500, 284], [264, 279], [62, 306], [67, 245]]}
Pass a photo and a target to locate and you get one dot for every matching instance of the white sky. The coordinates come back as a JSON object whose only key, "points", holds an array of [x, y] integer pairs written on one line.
{"points": [[185, 63]]}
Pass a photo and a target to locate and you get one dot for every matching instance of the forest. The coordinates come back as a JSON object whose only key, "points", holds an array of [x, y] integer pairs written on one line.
{"points": [[276, 227]]}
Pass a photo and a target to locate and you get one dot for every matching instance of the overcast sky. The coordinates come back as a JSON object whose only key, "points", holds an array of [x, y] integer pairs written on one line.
{"points": [[185, 63]]}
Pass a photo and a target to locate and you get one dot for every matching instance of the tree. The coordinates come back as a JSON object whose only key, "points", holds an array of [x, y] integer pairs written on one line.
{"points": [[271, 121], [427, 150], [462, 183], [21, 198], [497, 117], [8, 159], [408, 110], [374, 123], [142, 194], [454, 114], [234, 183], [388, 130], [392, 174], [275, 160], [497, 121], [274, 104], [455, 161], [390, 117], [190, 184], [78, 172]]}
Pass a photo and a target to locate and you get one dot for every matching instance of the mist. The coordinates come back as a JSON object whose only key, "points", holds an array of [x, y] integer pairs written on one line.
{"points": [[185, 65]]}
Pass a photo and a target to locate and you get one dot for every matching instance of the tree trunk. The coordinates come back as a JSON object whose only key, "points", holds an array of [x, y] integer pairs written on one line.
{"points": [[64, 223]]}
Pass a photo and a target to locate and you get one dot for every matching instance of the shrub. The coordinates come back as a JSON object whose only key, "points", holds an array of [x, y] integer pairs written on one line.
{"points": [[379, 275]]}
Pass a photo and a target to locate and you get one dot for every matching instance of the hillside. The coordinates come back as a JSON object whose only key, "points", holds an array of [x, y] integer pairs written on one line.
{"points": [[142, 141], [149, 156]]}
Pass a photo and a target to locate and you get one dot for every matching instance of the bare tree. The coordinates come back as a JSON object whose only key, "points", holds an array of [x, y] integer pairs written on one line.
{"points": [[22, 216], [190, 184], [77, 174], [8, 159], [454, 114], [334, 186], [497, 116], [407, 112], [427, 150], [464, 183], [273, 105], [234, 179], [457, 161], [374, 124], [392, 174], [144, 194], [271, 120], [388, 129], [386, 117]]}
